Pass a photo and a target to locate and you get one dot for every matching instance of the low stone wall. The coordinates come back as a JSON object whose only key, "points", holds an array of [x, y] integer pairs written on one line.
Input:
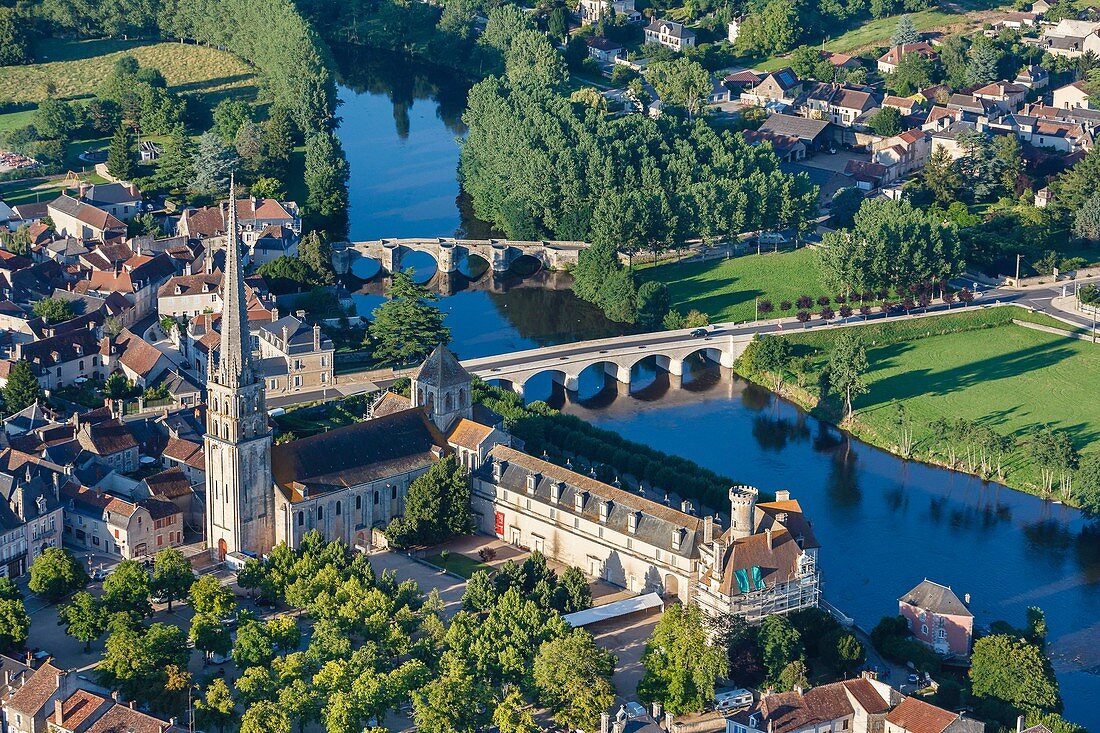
{"points": [[1023, 282], [1051, 329]]}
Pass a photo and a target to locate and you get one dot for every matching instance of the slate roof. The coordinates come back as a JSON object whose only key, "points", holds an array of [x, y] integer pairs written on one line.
{"points": [[108, 194], [389, 403], [656, 522], [936, 598], [676, 30], [357, 454], [441, 369], [603, 44], [182, 285], [106, 438], [86, 213], [802, 128], [59, 349]]}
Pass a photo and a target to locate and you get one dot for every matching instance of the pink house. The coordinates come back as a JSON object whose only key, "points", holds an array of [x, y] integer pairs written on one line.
{"points": [[938, 618]]}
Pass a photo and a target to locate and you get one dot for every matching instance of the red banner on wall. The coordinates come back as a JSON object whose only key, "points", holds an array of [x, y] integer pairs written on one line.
{"points": [[500, 524]]}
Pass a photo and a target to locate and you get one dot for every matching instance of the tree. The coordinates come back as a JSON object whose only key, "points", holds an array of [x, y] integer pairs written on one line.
{"points": [[266, 187], [53, 310], [14, 39], [437, 507], [85, 618], [265, 717], [572, 675], [773, 355], [846, 203], [680, 663], [210, 635], [1055, 455], [326, 175], [847, 367], [558, 23], [126, 590], [22, 389], [229, 115], [288, 274], [780, 644], [316, 251], [172, 575], [795, 674], [681, 82], [653, 304], [14, 624], [454, 702], [885, 122], [1087, 482], [573, 591], [1008, 669], [54, 119], [905, 32], [407, 327], [143, 662], [253, 647], [176, 164], [941, 176], [55, 573], [212, 162], [122, 155], [844, 652], [913, 73], [17, 242], [533, 60], [984, 58], [480, 593], [1086, 220], [216, 708], [251, 576], [513, 715]]}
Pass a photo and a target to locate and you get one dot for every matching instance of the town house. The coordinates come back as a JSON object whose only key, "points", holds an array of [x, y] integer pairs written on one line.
{"points": [[839, 104], [74, 218], [101, 522], [938, 618], [669, 33], [779, 87], [889, 61], [295, 357], [903, 154], [591, 11]]}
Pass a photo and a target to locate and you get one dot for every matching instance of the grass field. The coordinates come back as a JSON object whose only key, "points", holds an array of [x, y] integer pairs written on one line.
{"points": [[78, 68], [1007, 377], [458, 564], [726, 290]]}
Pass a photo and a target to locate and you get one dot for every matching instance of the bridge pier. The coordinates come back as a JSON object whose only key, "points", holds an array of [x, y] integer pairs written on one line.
{"points": [[391, 257], [672, 365], [500, 261], [621, 373], [446, 257], [570, 382]]}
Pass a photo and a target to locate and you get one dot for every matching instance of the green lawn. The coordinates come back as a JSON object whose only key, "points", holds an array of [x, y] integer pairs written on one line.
{"points": [[458, 564], [1007, 377], [727, 290], [77, 68]]}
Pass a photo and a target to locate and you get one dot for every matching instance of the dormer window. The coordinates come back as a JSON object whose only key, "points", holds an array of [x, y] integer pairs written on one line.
{"points": [[678, 538], [179, 290], [632, 522], [578, 501], [498, 469], [605, 510], [532, 482], [555, 491]]}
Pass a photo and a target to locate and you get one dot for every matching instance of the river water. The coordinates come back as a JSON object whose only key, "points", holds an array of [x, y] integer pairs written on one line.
{"points": [[884, 524]]}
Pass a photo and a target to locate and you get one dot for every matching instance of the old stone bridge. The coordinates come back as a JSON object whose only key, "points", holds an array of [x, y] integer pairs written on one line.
{"points": [[615, 357], [448, 253]]}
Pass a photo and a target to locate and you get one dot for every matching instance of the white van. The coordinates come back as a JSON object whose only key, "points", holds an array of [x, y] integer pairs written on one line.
{"points": [[730, 700]]}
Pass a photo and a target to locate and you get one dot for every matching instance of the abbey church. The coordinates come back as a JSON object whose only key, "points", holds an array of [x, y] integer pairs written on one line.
{"points": [[350, 482]]}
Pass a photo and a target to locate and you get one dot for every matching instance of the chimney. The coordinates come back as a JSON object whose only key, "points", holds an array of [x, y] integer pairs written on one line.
{"points": [[1020, 724], [783, 495], [632, 522], [768, 532], [708, 528], [686, 507], [301, 314], [57, 716], [316, 337], [605, 722], [116, 695]]}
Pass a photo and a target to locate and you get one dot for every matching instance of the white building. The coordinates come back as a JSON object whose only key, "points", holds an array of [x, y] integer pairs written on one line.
{"points": [[669, 33]]}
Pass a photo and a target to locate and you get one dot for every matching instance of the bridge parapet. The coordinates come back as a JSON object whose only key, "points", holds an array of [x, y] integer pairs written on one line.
{"points": [[449, 252]]}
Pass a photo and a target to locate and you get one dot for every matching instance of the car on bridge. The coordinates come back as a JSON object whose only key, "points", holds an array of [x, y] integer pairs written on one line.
{"points": [[698, 332]]}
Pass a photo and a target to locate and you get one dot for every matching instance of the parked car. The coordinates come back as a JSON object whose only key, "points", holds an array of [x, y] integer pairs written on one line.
{"points": [[634, 710]]}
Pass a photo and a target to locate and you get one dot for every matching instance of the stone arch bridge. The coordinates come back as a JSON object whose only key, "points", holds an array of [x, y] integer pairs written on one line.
{"points": [[449, 253], [616, 356]]}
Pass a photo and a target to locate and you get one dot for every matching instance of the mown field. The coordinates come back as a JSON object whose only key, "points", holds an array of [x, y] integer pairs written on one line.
{"points": [[1007, 377], [78, 68], [727, 290]]}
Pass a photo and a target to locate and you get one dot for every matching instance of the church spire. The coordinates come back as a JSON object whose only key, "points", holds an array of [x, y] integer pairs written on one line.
{"points": [[235, 360]]}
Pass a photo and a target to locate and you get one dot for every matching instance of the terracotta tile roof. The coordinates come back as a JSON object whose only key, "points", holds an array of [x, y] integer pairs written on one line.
{"points": [[912, 136], [169, 484], [389, 403], [122, 719], [182, 285], [790, 711], [895, 54], [36, 691], [136, 354], [866, 696], [916, 716], [891, 100], [185, 451], [65, 347], [468, 434], [106, 438], [77, 708], [86, 213]]}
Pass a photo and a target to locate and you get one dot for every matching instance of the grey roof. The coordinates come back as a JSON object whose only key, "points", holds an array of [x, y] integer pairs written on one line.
{"points": [[441, 369], [29, 418], [110, 193], [936, 598], [299, 335], [676, 30], [657, 523], [803, 128], [603, 44]]}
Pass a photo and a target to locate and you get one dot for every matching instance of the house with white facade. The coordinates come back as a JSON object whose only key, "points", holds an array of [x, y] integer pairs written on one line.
{"points": [[670, 34]]}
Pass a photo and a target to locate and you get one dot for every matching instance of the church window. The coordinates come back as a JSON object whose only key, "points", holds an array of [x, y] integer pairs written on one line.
{"points": [[376, 498], [450, 402], [215, 404], [393, 492], [320, 512], [462, 397], [337, 508], [359, 502], [301, 518]]}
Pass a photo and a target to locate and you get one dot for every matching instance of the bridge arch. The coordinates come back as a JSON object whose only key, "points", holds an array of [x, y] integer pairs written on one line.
{"points": [[525, 264]]}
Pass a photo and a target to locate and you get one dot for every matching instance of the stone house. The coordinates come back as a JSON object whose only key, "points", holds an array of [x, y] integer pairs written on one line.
{"points": [[111, 442], [778, 87], [1008, 96], [903, 154], [603, 49], [101, 522], [138, 280], [938, 618], [842, 105], [120, 199], [58, 361], [295, 357], [73, 218], [889, 61], [1071, 96], [590, 11], [669, 33]]}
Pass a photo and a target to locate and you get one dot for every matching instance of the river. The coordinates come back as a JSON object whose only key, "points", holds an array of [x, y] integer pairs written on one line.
{"points": [[884, 524]]}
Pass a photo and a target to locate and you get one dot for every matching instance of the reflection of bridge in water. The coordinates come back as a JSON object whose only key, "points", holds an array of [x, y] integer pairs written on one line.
{"points": [[499, 254], [449, 283]]}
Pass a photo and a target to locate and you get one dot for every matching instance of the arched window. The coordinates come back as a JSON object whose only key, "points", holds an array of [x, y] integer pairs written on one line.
{"points": [[215, 404], [431, 403], [393, 492], [337, 508], [359, 502], [462, 397], [301, 519], [376, 498], [320, 513], [450, 402]]}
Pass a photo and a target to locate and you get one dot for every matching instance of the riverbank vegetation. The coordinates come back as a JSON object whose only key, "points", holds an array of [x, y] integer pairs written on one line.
{"points": [[969, 390]]}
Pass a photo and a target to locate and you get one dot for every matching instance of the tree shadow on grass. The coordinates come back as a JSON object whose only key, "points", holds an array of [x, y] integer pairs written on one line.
{"points": [[214, 83]]}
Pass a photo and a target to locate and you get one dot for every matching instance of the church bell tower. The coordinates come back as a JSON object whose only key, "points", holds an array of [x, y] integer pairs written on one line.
{"points": [[240, 500]]}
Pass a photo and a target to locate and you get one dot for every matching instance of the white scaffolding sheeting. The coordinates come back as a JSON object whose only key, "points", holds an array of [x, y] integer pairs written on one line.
{"points": [[614, 610]]}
